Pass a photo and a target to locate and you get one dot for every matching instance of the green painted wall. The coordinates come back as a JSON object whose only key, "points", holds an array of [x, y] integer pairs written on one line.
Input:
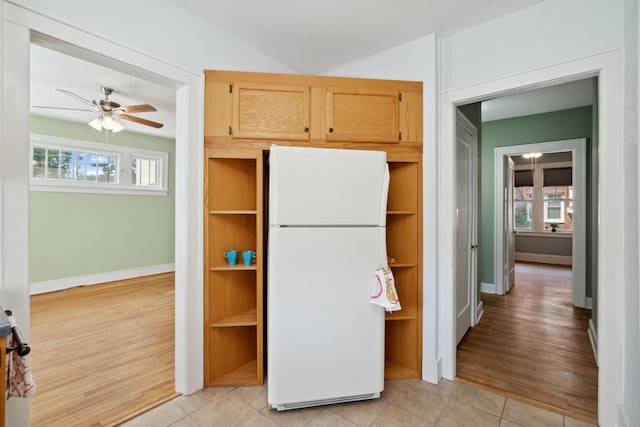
{"points": [[555, 126], [75, 234]]}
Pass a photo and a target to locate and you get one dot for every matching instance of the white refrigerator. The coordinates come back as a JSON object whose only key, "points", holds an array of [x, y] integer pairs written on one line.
{"points": [[326, 237]]}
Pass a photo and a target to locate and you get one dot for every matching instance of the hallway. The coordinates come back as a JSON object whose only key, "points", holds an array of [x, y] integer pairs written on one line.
{"points": [[532, 344]]}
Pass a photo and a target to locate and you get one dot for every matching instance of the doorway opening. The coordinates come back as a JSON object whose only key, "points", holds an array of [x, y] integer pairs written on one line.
{"points": [[101, 242], [497, 223]]}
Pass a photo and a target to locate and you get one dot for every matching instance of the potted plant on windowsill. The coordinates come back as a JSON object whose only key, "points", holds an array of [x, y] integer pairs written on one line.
{"points": [[554, 226]]}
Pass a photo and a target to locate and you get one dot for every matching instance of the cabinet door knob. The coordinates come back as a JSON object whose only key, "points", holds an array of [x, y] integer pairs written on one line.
{"points": [[306, 129], [330, 130]]}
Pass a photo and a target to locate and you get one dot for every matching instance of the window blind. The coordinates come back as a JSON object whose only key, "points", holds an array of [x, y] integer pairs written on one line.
{"points": [[523, 178], [557, 177]]}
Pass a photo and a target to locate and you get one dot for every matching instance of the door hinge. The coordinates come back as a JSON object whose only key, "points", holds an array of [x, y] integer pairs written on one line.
{"points": [[230, 88], [400, 136], [230, 131], [400, 97]]}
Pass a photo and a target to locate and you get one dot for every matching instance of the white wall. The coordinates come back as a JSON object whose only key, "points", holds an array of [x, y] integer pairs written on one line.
{"points": [[545, 33], [163, 29], [417, 61], [630, 410]]}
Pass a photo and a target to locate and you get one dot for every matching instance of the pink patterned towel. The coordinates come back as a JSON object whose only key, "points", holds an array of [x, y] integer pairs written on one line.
{"points": [[384, 290], [19, 379]]}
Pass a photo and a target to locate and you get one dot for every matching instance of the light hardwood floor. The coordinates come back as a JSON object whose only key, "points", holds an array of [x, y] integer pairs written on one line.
{"points": [[103, 353], [532, 344]]}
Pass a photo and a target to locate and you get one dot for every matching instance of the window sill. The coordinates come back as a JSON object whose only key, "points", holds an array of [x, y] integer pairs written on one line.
{"points": [[94, 189], [557, 234]]}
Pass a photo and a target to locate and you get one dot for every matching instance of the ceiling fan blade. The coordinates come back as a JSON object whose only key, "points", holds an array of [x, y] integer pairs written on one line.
{"points": [[62, 108], [141, 121], [79, 98], [143, 108]]}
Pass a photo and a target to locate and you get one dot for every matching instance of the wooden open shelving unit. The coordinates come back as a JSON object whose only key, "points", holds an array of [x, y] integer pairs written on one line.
{"points": [[233, 294], [245, 113]]}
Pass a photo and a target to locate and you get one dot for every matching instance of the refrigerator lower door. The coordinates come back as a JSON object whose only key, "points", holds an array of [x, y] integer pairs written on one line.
{"points": [[325, 339]]}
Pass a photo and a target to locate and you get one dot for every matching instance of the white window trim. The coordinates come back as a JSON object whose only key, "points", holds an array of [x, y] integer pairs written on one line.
{"points": [[124, 153]]}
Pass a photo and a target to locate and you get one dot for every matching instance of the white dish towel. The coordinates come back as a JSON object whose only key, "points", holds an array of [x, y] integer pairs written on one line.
{"points": [[19, 379], [384, 290]]}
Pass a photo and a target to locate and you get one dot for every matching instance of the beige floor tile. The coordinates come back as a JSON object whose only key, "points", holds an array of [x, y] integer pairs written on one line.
{"points": [[185, 422], [258, 420], [292, 418], [478, 398], [223, 411], [418, 401], [328, 418], [505, 423], [256, 396], [458, 414], [360, 413], [396, 417], [530, 416], [195, 401], [572, 422], [161, 416]]}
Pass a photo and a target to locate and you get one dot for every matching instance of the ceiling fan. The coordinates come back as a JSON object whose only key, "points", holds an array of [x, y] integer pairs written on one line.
{"points": [[109, 111]]}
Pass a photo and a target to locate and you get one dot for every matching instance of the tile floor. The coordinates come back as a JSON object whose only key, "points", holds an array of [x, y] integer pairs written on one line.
{"points": [[403, 403]]}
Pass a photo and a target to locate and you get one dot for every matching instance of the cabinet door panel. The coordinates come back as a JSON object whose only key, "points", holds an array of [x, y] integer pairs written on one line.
{"points": [[362, 116], [270, 111]]}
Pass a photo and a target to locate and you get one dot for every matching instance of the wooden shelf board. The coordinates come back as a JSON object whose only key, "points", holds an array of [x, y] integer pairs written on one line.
{"points": [[395, 371], [233, 212], [398, 316], [401, 213], [246, 374], [401, 265], [248, 318], [239, 267]]}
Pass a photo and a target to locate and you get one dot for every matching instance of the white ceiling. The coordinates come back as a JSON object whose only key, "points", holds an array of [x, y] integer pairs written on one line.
{"points": [[309, 36], [51, 70]]}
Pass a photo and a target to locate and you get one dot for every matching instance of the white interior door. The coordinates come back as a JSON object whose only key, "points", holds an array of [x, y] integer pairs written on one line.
{"points": [[466, 254], [509, 236]]}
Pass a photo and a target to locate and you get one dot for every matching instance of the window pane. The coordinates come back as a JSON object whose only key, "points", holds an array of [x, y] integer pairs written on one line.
{"points": [[522, 215], [66, 165], [144, 172], [39, 157], [53, 164], [102, 168]]}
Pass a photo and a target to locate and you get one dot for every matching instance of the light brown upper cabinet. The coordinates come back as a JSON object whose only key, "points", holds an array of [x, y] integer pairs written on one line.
{"points": [[266, 111], [362, 115]]}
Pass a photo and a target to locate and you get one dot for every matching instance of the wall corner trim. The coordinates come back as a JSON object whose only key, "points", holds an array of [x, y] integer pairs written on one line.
{"points": [[92, 279]]}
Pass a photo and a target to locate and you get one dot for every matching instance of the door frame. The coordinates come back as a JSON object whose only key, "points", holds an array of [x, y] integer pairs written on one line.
{"points": [[16, 26], [578, 245], [473, 222], [608, 66]]}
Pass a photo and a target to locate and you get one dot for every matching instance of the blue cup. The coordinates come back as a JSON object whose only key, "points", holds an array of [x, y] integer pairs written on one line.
{"points": [[247, 257], [231, 256]]}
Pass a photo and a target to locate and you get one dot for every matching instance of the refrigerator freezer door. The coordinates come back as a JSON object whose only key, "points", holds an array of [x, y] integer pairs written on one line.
{"points": [[325, 339], [320, 186]]}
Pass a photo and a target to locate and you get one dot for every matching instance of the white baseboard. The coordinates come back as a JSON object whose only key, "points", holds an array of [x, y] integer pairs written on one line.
{"points": [[589, 303], [544, 258], [593, 337], [488, 288], [92, 279], [432, 370], [479, 312]]}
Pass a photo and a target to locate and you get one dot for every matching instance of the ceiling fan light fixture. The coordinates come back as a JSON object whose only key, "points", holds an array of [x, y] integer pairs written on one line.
{"points": [[96, 124], [117, 127], [107, 121]]}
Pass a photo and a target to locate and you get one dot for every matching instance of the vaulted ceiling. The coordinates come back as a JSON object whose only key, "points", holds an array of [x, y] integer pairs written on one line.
{"points": [[308, 36]]}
